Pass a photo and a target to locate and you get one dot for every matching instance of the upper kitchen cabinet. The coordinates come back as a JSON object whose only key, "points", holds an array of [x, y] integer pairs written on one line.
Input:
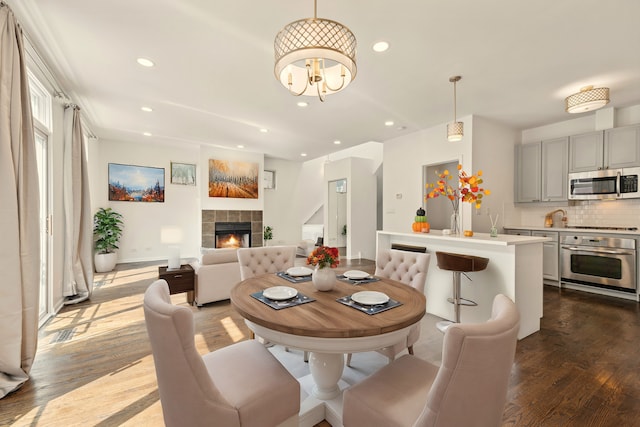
{"points": [[555, 153], [586, 152], [541, 174], [612, 149], [622, 147], [528, 172]]}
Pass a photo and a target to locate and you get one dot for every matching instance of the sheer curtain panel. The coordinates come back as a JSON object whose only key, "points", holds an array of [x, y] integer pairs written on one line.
{"points": [[19, 213], [78, 221]]}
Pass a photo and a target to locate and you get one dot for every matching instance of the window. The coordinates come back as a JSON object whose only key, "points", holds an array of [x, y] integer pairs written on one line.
{"points": [[40, 103]]}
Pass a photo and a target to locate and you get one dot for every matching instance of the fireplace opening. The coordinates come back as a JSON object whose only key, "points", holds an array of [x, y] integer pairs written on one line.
{"points": [[233, 234]]}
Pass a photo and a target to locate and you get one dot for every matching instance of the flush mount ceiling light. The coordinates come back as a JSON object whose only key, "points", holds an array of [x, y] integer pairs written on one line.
{"points": [[588, 99], [455, 129], [315, 56]]}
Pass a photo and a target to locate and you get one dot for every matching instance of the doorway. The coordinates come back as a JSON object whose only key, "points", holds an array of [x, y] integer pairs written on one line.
{"points": [[337, 231], [439, 209]]}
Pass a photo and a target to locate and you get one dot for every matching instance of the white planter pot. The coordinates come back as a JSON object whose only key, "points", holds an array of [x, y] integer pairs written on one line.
{"points": [[105, 262]]}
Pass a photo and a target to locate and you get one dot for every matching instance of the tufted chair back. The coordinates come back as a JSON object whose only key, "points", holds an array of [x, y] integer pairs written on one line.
{"points": [[409, 268], [270, 259]]}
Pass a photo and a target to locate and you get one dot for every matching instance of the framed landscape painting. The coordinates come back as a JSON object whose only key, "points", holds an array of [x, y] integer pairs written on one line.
{"points": [[129, 183], [233, 179], [183, 173]]}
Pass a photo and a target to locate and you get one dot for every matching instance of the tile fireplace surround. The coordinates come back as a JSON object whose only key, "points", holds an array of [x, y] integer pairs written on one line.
{"points": [[210, 217]]}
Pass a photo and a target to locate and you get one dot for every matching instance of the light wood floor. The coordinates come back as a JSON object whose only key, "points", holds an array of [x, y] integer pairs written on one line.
{"points": [[94, 366]]}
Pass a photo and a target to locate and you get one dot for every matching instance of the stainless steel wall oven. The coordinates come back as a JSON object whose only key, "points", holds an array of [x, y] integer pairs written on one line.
{"points": [[606, 262]]}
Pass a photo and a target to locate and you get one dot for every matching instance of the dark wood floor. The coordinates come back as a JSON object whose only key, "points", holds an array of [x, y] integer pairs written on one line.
{"points": [[581, 369]]}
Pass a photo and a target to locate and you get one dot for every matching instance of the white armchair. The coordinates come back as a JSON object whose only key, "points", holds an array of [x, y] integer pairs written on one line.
{"points": [[216, 273]]}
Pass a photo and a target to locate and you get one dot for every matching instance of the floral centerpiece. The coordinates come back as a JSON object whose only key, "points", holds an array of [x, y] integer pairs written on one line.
{"points": [[324, 256], [324, 278], [468, 189]]}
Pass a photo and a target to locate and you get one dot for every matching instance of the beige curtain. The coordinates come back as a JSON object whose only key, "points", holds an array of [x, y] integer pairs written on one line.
{"points": [[78, 235], [19, 213]]}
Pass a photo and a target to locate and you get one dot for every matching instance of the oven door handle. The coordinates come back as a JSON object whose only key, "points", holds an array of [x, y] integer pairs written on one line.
{"points": [[597, 251]]}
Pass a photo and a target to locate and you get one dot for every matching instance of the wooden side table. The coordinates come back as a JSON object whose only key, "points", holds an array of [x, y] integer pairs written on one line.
{"points": [[179, 280]]}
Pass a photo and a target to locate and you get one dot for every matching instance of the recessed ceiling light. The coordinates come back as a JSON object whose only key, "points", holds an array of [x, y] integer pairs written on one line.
{"points": [[146, 109], [145, 62], [388, 123], [263, 130], [302, 104], [240, 146], [303, 154], [380, 46], [337, 142], [147, 134]]}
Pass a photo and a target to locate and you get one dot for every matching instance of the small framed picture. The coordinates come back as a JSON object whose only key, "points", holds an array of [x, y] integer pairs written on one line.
{"points": [[183, 173], [269, 179]]}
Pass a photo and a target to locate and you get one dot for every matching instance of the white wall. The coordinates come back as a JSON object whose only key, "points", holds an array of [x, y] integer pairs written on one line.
{"points": [[493, 153], [282, 207], [144, 222], [361, 203], [404, 159]]}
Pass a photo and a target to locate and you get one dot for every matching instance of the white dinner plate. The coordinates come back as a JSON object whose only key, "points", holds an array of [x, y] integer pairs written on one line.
{"points": [[279, 293], [299, 271], [356, 274], [370, 297]]}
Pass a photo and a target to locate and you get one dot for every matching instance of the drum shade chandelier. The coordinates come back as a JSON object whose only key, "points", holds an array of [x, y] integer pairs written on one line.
{"points": [[588, 99], [455, 129], [315, 56]]}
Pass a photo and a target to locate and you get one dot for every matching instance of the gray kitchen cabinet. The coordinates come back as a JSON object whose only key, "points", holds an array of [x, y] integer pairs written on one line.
{"points": [[612, 149], [586, 152], [550, 255], [517, 232], [622, 147], [528, 173], [555, 153], [541, 171]]}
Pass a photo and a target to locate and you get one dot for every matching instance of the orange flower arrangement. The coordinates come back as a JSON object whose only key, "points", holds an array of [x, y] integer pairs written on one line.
{"points": [[468, 189], [324, 256]]}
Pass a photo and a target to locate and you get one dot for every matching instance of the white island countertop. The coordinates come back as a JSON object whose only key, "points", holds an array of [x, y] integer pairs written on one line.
{"points": [[514, 269], [476, 239]]}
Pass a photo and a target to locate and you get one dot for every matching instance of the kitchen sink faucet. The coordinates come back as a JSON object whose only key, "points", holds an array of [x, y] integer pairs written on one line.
{"points": [[548, 219]]}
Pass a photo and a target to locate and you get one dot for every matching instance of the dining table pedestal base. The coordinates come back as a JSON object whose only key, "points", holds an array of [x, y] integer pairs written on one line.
{"points": [[326, 370]]}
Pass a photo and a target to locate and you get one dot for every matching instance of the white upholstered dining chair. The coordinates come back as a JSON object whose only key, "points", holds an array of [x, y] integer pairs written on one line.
{"points": [[468, 389], [268, 259], [240, 385], [410, 268]]}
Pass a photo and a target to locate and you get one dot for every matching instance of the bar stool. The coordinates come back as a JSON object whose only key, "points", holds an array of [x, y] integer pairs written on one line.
{"points": [[458, 263]]}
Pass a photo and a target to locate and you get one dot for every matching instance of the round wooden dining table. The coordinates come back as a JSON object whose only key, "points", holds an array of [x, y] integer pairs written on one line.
{"points": [[327, 328]]}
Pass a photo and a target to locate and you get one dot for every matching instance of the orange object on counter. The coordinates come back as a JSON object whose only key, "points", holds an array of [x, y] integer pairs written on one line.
{"points": [[468, 233]]}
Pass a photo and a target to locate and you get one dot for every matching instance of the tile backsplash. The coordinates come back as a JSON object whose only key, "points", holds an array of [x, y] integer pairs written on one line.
{"points": [[616, 213]]}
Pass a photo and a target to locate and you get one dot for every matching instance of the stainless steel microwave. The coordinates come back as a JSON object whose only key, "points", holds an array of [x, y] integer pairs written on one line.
{"points": [[604, 184]]}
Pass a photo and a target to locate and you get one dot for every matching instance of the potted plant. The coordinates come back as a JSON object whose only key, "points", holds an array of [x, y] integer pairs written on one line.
{"points": [[107, 230], [268, 234]]}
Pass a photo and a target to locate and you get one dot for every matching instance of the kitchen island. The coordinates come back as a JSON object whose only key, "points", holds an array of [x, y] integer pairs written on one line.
{"points": [[515, 270]]}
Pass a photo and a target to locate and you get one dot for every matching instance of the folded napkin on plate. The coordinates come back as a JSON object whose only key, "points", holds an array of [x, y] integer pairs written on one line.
{"points": [[343, 278], [293, 279]]}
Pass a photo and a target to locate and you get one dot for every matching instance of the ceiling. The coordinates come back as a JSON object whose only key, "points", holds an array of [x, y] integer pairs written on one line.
{"points": [[213, 82]]}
